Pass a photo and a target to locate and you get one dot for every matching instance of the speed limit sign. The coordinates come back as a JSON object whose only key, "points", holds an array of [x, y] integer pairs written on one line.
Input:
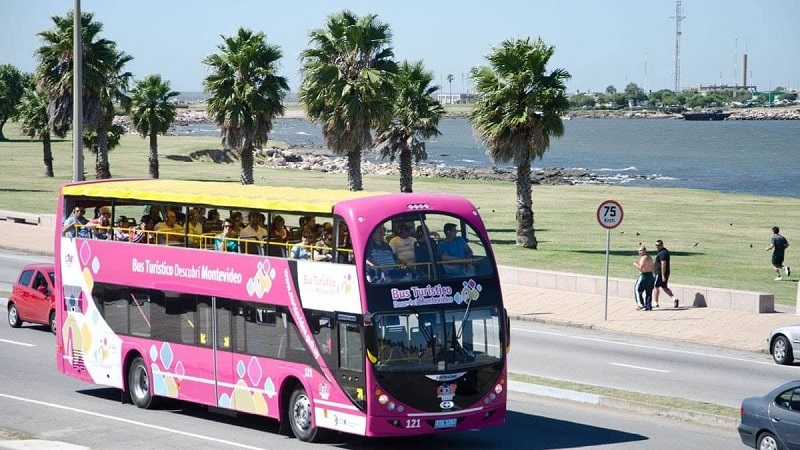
{"points": [[609, 214]]}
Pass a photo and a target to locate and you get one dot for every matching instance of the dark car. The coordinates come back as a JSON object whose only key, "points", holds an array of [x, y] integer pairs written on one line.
{"points": [[772, 421], [32, 298]]}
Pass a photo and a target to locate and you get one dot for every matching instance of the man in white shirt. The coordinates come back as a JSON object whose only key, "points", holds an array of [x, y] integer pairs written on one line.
{"points": [[253, 230]]}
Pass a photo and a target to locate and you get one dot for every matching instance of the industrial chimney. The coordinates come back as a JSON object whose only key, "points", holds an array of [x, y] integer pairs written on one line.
{"points": [[744, 72]]}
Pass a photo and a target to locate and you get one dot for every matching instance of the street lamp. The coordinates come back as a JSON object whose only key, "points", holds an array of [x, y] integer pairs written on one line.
{"points": [[77, 95]]}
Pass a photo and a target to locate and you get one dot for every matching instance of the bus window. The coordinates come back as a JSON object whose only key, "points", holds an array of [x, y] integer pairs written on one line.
{"points": [[350, 349]]}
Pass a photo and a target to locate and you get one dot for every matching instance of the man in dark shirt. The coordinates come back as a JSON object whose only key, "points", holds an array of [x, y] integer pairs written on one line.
{"points": [[778, 247], [661, 271]]}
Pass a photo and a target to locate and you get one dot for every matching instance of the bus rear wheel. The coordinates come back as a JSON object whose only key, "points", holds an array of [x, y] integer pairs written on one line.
{"points": [[139, 385], [299, 416]]}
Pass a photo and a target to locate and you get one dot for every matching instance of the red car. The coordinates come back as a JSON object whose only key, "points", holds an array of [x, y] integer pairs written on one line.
{"points": [[32, 299]]}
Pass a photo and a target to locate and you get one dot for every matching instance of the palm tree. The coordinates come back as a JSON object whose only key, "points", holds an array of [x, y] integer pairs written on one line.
{"points": [[416, 117], [347, 84], [152, 113], [450, 82], [54, 73], [519, 107], [246, 93], [113, 93], [34, 121]]}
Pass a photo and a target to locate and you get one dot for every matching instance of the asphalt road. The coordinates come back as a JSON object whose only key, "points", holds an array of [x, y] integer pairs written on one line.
{"points": [[634, 363], [11, 263], [35, 399]]}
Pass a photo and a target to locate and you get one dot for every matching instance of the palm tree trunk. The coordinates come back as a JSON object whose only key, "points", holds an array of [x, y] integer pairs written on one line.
{"points": [[152, 157], [48, 155], [102, 167], [354, 170], [247, 165], [525, 232], [406, 176]]}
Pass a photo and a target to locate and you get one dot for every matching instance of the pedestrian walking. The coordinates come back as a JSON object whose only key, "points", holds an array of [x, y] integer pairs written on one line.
{"points": [[778, 246], [645, 282], [661, 269]]}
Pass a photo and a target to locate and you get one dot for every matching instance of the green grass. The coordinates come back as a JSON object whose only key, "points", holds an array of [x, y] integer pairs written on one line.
{"points": [[730, 231]]}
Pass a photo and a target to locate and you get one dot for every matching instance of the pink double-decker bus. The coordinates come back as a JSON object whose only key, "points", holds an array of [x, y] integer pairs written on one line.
{"points": [[327, 310]]}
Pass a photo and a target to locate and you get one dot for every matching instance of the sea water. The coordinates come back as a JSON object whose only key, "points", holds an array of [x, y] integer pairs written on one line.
{"points": [[754, 157]]}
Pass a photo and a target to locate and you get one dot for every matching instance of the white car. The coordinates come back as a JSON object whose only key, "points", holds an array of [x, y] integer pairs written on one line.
{"points": [[784, 344]]}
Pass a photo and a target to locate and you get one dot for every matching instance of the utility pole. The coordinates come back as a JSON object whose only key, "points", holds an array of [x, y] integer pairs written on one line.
{"points": [[678, 18], [77, 95]]}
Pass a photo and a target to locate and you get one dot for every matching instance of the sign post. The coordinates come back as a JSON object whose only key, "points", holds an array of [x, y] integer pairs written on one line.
{"points": [[609, 216]]}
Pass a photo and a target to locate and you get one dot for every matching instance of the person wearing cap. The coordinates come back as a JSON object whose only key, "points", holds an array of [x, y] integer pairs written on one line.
{"points": [[101, 225], [645, 281], [661, 269]]}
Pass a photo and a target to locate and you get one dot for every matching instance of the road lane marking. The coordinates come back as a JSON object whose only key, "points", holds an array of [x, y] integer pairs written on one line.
{"points": [[648, 347], [24, 344], [130, 422], [639, 367]]}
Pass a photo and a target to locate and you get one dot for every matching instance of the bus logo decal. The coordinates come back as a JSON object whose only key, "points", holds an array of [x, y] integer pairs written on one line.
{"points": [[471, 291]]}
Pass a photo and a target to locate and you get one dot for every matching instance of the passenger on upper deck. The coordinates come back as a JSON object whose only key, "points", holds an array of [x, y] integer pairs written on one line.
{"points": [[278, 234], [381, 260], [226, 241], [323, 249], [75, 224], [403, 244], [195, 228], [122, 230], [303, 250], [169, 231], [213, 222], [455, 248], [422, 253], [101, 225], [253, 228]]}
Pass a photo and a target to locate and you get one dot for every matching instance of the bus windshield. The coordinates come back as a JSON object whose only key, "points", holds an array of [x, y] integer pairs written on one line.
{"points": [[437, 341], [425, 246]]}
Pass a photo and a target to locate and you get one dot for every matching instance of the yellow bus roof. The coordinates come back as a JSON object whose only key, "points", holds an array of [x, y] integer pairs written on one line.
{"points": [[229, 195]]}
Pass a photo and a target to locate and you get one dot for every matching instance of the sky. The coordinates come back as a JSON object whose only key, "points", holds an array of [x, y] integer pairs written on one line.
{"points": [[599, 42]]}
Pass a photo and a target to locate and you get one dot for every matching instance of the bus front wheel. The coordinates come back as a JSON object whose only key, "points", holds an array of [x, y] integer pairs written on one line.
{"points": [[300, 416], [139, 384]]}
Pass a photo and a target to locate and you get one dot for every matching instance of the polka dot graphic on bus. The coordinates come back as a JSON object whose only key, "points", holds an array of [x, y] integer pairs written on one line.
{"points": [[470, 292], [261, 282], [165, 384]]}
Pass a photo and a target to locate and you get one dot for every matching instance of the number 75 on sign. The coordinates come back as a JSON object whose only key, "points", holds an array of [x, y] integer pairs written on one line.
{"points": [[609, 214]]}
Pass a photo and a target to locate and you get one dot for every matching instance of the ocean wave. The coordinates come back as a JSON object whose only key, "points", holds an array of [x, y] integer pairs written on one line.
{"points": [[625, 169]]}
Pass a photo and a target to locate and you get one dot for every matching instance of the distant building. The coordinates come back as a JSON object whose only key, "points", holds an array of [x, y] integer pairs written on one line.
{"points": [[454, 99], [724, 87]]}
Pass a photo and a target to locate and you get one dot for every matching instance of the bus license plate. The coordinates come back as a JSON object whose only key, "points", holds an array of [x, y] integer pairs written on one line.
{"points": [[445, 423]]}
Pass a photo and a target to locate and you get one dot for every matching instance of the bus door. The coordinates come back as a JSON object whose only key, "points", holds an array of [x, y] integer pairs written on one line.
{"points": [[349, 369], [224, 342]]}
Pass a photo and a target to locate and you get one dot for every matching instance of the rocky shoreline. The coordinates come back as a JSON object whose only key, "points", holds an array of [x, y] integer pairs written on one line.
{"points": [[316, 159]]}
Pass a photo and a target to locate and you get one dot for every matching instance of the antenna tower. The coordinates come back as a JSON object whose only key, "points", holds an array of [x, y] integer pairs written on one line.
{"points": [[678, 18]]}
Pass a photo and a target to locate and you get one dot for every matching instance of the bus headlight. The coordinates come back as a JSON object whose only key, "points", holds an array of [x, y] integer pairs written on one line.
{"points": [[498, 388], [391, 406], [383, 399]]}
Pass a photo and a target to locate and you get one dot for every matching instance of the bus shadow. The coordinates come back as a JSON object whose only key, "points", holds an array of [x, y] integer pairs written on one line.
{"points": [[516, 433]]}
